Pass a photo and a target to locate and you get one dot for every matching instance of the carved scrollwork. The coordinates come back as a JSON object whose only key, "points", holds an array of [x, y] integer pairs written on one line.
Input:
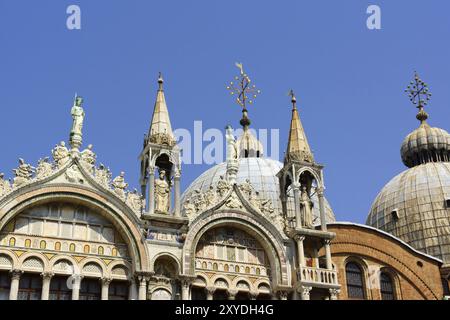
{"points": [[162, 139]]}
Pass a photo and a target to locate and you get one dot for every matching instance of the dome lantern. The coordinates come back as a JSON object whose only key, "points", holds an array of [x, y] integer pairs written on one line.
{"points": [[426, 143]]}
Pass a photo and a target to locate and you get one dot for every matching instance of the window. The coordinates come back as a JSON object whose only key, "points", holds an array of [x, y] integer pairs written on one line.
{"points": [[386, 287], [118, 290], [355, 284], [445, 286], [447, 203], [30, 287], [90, 289], [59, 289], [5, 282], [395, 215]]}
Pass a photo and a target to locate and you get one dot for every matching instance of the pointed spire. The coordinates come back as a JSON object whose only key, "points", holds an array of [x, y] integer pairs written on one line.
{"points": [[298, 147], [160, 131]]}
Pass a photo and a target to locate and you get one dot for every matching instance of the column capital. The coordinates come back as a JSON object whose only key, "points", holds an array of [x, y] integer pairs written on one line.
{"points": [[296, 186], [210, 290], [186, 280], [334, 293], [299, 238], [15, 274], [327, 242], [232, 294], [106, 281], [47, 275], [142, 276], [283, 294], [304, 290]]}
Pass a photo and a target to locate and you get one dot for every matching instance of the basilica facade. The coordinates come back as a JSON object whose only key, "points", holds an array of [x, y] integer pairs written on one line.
{"points": [[248, 228]]}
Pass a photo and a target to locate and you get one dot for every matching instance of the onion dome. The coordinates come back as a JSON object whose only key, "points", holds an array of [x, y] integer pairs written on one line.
{"points": [[415, 205]]}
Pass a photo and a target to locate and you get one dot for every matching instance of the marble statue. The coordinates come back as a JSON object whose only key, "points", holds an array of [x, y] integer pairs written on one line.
{"points": [[78, 119], [44, 168], [22, 174], [74, 175], [306, 206], [233, 202], [162, 194], [88, 158], [135, 201], [119, 185], [5, 185], [60, 154], [232, 151], [222, 186]]}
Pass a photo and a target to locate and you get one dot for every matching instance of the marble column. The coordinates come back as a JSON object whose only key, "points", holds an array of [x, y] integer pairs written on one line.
{"points": [[177, 202], [305, 292], [300, 251], [46, 279], [323, 221], [328, 254], [105, 288], [76, 283], [132, 290], [185, 284], [298, 218], [142, 288], [210, 293], [151, 190], [14, 289]]}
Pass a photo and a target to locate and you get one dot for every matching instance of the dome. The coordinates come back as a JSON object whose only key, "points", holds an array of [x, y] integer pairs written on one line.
{"points": [[262, 175], [249, 145], [425, 144], [415, 206]]}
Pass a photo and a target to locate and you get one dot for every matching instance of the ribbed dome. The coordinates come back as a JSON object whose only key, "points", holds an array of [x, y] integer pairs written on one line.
{"points": [[249, 145], [262, 174], [426, 144], [414, 206]]}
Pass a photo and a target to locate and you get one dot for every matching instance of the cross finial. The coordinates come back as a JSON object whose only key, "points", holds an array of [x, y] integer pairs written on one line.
{"points": [[419, 94], [244, 89]]}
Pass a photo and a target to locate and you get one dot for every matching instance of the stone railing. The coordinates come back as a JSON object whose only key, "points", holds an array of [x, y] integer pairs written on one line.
{"points": [[317, 276]]}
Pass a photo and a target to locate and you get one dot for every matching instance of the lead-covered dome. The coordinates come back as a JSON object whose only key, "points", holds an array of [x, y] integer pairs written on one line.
{"points": [[262, 175], [415, 205], [426, 144]]}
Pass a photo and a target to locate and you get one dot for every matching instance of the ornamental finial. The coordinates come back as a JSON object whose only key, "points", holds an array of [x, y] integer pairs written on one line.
{"points": [[244, 92], [293, 99], [419, 94], [160, 81]]}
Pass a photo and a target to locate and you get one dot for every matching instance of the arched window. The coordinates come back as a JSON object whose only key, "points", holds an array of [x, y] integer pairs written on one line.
{"points": [[355, 283], [101, 251], [42, 245], [59, 289], [386, 287], [72, 247], [57, 246], [12, 242], [445, 285], [27, 243], [5, 282], [30, 287]]}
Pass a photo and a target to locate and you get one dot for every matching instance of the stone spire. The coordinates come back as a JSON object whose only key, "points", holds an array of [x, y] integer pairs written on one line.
{"points": [[298, 147], [160, 131]]}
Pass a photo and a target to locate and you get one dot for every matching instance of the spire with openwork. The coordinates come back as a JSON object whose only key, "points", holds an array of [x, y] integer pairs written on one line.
{"points": [[298, 148]]}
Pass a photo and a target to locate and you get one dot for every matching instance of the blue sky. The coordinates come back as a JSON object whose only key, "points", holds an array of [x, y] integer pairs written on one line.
{"points": [[349, 80]]}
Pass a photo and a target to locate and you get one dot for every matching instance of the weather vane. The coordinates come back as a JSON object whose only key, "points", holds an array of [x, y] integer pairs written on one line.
{"points": [[419, 94], [242, 88]]}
